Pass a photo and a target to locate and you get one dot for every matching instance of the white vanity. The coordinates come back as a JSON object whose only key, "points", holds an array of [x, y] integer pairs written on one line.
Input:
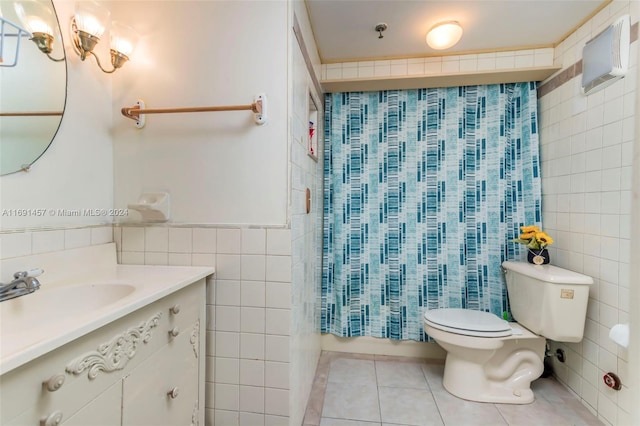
{"points": [[103, 344]]}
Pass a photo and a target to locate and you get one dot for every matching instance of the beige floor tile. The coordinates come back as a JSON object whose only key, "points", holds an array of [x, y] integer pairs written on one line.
{"points": [[326, 421], [456, 411], [390, 392], [353, 371], [408, 406], [351, 402], [400, 374]]}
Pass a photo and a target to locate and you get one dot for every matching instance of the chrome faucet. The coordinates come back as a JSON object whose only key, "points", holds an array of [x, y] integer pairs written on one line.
{"points": [[24, 282]]}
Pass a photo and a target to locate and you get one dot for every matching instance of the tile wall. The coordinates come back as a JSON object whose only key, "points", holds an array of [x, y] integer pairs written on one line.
{"points": [[25, 242], [439, 65], [586, 151], [248, 312]]}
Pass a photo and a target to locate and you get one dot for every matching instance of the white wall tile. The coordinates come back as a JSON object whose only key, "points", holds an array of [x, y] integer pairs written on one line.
{"points": [[204, 240], [74, 238], [254, 241], [277, 348], [252, 320], [278, 295], [15, 244], [179, 259], [278, 321], [132, 258], [228, 266], [252, 293], [203, 259], [227, 370], [226, 417], [229, 241], [227, 318], [252, 346], [156, 239], [277, 375], [276, 401], [132, 238], [252, 373], [48, 241], [253, 267], [227, 397], [279, 242], [278, 268], [252, 399], [101, 235], [180, 240], [151, 258], [227, 292], [227, 344]]}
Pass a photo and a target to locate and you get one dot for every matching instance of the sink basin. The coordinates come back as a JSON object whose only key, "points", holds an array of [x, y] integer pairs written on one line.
{"points": [[52, 304]]}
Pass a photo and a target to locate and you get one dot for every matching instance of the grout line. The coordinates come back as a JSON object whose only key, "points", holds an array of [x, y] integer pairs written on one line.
{"points": [[375, 372]]}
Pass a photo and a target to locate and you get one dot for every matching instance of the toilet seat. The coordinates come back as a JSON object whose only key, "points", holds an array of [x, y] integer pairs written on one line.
{"points": [[468, 322]]}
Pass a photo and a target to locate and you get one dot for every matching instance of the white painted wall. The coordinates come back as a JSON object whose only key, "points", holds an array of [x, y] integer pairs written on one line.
{"points": [[76, 172], [219, 168]]}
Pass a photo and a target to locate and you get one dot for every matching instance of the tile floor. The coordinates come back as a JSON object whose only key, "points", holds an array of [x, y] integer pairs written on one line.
{"points": [[369, 390]]}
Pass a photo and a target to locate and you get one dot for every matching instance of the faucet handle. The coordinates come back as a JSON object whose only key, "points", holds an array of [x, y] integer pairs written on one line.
{"points": [[35, 272]]}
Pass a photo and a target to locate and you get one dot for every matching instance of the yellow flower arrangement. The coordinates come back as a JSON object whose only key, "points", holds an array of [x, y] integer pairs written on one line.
{"points": [[534, 238]]}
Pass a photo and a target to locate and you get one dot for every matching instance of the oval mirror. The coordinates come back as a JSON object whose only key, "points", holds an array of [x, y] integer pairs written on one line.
{"points": [[33, 82]]}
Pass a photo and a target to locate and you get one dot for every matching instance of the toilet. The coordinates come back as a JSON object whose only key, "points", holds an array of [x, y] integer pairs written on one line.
{"points": [[492, 360]]}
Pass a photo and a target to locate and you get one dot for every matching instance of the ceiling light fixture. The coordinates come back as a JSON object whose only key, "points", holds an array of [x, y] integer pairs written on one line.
{"points": [[88, 25], [444, 35]]}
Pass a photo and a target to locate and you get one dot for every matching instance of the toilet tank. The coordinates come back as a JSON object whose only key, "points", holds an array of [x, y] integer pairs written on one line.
{"points": [[547, 300]]}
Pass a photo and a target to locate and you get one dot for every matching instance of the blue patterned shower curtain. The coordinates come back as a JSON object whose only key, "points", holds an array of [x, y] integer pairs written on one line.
{"points": [[424, 189]]}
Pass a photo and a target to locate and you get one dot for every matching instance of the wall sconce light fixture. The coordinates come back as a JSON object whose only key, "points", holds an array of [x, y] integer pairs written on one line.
{"points": [[444, 35], [40, 22], [89, 24]]}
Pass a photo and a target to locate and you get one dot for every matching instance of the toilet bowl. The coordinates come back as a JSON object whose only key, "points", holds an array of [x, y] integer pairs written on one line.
{"points": [[488, 359], [492, 360]]}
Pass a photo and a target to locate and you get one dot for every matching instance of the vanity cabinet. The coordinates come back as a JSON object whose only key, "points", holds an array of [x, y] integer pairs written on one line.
{"points": [[146, 368]]}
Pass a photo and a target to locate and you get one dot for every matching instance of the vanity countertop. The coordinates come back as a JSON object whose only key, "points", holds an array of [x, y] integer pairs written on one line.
{"points": [[68, 306]]}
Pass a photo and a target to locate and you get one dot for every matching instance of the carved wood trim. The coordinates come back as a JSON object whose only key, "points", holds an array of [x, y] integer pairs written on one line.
{"points": [[115, 354], [194, 415], [195, 338]]}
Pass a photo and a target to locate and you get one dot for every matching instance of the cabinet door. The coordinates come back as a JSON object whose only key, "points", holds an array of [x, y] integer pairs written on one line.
{"points": [[102, 411], [164, 390]]}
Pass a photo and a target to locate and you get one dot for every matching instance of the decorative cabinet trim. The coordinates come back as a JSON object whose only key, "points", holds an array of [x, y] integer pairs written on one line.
{"points": [[195, 338], [194, 415], [115, 354]]}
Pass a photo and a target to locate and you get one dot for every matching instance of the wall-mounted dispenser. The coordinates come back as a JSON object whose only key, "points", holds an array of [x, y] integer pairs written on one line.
{"points": [[605, 58], [152, 206]]}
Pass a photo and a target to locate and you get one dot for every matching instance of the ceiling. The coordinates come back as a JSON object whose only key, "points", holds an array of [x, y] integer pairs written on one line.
{"points": [[344, 29]]}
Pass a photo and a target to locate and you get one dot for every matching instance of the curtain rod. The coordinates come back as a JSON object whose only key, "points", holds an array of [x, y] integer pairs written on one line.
{"points": [[137, 112]]}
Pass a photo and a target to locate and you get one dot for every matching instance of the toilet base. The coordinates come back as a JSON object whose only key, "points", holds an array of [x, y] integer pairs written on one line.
{"points": [[468, 381], [495, 370]]}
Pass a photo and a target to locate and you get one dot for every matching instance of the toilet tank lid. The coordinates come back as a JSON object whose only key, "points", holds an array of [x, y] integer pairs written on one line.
{"points": [[547, 273]]}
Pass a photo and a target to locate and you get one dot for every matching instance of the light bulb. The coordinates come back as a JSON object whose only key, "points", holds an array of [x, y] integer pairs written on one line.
{"points": [[35, 16], [123, 38], [444, 35], [91, 18]]}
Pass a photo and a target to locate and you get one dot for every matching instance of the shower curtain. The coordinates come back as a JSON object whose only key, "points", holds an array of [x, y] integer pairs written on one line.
{"points": [[423, 192]]}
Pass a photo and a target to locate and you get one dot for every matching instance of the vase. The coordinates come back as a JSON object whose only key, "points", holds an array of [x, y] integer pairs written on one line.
{"points": [[538, 257]]}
